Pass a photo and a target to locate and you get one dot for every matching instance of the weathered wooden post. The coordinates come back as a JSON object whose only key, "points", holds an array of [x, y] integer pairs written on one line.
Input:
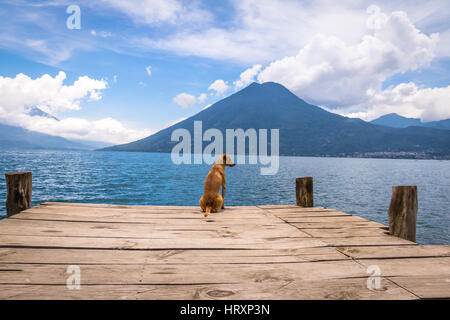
{"points": [[304, 192], [18, 185], [403, 212]]}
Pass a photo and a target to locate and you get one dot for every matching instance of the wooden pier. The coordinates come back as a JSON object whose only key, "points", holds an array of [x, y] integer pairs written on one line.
{"points": [[169, 252]]}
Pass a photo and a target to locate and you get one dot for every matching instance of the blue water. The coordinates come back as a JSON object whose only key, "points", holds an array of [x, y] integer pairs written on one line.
{"points": [[357, 186]]}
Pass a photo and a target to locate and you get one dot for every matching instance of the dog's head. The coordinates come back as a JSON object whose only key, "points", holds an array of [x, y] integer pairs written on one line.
{"points": [[225, 159]]}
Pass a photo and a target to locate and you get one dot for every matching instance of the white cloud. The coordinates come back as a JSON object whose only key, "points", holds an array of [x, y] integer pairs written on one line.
{"points": [[202, 97], [40, 33], [52, 54], [147, 11], [219, 86], [184, 99], [48, 93], [252, 31], [155, 12], [347, 77], [103, 34], [261, 31], [35, 35], [106, 130], [408, 100], [115, 78], [443, 48], [329, 71], [212, 43], [148, 69], [247, 77]]}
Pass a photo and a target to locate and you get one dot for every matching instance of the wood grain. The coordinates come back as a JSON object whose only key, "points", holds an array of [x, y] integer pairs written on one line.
{"points": [[258, 252]]}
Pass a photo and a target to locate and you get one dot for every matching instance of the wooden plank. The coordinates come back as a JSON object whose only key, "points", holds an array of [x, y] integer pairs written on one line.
{"points": [[87, 256], [230, 213], [324, 219], [295, 290], [154, 222], [291, 215], [181, 273], [124, 230], [289, 206], [198, 221], [300, 210], [109, 205], [144, 216], [346, 232], [150, 207], [277, 206], [384, 240], [337, 225], [426, 287], [395, 252], [142, 209], [411, 266], [139, 208], [155, 244]]}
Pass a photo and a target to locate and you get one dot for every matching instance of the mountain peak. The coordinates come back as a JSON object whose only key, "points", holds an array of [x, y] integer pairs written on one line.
{"points": [[267, 90], [254, 84], [395, 120], [266, 85], [264, 97], [35, 111], [394, 115]]}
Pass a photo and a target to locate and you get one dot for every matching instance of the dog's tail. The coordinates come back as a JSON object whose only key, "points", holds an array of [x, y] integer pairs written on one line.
{"points": [[207, 211]]}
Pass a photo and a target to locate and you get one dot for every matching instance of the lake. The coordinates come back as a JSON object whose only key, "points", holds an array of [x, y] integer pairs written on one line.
{"points": [[357, 186]]}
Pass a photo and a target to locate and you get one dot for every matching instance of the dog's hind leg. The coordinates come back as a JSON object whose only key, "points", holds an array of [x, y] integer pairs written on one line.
{"points": [[202, 204], [218, 203], [224, 189]]}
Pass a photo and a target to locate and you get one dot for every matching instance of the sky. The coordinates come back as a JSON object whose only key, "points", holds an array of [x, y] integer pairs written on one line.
{"points": [[121, 70]]}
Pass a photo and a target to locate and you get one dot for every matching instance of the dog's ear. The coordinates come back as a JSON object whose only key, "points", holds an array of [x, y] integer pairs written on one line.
{"points": [[224, 158], [228, 160]]}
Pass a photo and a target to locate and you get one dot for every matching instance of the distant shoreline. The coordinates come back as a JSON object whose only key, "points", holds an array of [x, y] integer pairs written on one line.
{"points": [[403, 155], [406, 155]]}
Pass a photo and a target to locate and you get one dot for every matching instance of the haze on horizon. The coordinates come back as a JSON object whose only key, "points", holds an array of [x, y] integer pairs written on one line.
{"points": [[135, 67]]}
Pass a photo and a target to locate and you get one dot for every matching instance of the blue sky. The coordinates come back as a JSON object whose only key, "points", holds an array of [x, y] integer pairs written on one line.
{"points": [[357, 58]]}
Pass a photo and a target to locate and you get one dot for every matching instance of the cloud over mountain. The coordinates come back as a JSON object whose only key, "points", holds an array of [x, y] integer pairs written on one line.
{"points": [[219, 86], [21, 93], [331, 72], [184, 99]]}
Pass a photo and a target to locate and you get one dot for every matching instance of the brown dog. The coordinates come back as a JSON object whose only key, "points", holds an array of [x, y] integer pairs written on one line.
{"points": [[211, 199]]}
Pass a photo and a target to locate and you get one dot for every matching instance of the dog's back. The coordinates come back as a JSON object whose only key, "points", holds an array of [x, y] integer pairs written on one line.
{"points": [[211, 199], [213, 180]]}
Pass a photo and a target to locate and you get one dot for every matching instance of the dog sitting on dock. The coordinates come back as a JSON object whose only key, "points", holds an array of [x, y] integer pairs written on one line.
{"points": [[211, 200]]}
